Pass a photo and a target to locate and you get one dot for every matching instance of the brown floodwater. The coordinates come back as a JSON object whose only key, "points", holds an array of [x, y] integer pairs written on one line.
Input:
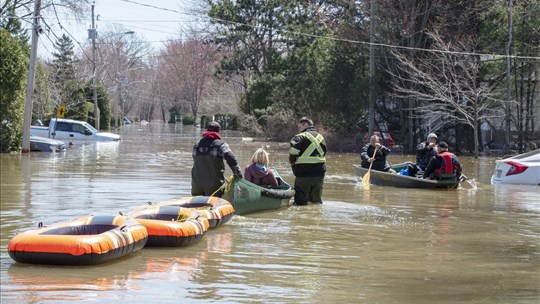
{"points": [[382, 245]]}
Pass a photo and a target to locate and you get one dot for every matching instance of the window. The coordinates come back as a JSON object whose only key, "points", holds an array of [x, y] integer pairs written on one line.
{"points": [[78, 128], [62, 126]]}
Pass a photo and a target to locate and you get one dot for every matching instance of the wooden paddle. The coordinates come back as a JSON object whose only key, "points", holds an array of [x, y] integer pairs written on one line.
{"points": [[367, 176]]}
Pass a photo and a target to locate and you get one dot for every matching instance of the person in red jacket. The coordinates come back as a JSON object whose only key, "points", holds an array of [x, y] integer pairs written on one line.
{"points": [[444, 165], [209, 154], [258, 172]]}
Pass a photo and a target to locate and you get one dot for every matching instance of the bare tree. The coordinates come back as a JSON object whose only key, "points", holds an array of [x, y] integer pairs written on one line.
{"points": [[190, 66], [449, 83], [120, 65], [222, 96]]}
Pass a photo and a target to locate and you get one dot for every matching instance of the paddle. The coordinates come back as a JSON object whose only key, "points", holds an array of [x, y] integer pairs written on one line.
{"points": [[466, 183], [367, 176]]}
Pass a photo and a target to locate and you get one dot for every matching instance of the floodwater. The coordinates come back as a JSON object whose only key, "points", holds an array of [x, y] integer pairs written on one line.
{"points": [[382, 245]]}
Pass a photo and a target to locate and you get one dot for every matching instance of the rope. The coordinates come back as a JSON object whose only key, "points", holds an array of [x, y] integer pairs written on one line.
{"points": [[225, 187], [182, 216]]}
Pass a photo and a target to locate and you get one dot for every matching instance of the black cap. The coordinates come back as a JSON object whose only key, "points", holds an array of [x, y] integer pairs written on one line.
{"points": [[443, 144], [213, 126]]}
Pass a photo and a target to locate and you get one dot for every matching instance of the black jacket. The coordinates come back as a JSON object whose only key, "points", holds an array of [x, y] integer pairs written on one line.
{"points": [[207, 174], [424, 154], [299, 144], [380, 163]]}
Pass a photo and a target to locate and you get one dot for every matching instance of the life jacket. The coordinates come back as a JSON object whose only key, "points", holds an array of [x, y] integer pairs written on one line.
{"points": [[447, 170]]}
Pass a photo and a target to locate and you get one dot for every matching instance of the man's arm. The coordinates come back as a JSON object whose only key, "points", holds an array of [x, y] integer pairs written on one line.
{"points": [[430, 167], [295, 149], [364, 155], [231, 160], [457, 165]]}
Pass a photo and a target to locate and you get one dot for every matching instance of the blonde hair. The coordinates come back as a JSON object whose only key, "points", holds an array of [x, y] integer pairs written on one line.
{"points": [[260, 156]]}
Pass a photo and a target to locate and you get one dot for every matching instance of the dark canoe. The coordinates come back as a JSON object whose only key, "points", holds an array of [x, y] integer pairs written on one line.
{"points": [[396, 180], [247, 197]]}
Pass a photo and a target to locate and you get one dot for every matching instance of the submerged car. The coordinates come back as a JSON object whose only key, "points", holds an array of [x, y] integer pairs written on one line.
{"points": [[44, 144], [520, 169]]}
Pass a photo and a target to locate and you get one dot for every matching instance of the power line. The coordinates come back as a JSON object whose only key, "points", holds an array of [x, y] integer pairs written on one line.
{"points": [[344, 40]]}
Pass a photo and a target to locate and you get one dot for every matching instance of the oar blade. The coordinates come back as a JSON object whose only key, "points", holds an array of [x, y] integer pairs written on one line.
{"points": [[365, 180], [468, 184]]}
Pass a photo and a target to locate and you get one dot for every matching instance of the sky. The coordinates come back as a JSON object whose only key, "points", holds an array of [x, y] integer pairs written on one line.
{"points": [[154, 21]]}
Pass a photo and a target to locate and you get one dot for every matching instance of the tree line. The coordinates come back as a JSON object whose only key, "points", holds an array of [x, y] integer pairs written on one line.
{"points": [[413, 67]]}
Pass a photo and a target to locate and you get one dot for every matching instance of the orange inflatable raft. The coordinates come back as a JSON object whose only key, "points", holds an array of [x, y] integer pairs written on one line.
{"points": [[170, 226], [85, 241], [218, 211]]}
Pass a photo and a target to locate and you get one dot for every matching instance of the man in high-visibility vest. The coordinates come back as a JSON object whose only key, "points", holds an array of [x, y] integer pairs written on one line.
{"points": [[308, 162]]}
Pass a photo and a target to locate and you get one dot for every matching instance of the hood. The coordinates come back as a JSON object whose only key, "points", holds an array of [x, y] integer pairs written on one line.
{"points": [[106, 136], [257, 170]]}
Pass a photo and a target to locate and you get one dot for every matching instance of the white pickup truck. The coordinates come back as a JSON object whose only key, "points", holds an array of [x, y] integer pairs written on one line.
{"points": [[69, 129]]}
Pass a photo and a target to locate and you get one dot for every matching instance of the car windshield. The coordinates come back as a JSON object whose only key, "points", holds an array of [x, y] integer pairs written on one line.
{"points": [[89, 126]]}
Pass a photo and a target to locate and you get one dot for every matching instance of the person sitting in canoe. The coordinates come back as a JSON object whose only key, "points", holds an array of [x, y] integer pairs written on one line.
{"points": [[444, 165], [426, 151], [376, 153], [258, 172]]}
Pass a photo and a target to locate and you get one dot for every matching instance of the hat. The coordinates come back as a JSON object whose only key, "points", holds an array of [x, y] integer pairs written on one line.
{"points": [[306, 121], [432, 135], [213, 126], [443, 144]]}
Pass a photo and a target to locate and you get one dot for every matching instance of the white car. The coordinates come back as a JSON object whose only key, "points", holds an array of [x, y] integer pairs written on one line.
{"points": [[44, 144], [520, 169]]}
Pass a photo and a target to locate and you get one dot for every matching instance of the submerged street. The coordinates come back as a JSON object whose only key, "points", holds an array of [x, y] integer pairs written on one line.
{"points": [[382, 245]]}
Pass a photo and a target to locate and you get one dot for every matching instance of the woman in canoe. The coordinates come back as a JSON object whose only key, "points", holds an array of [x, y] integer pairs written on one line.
{"points": [[258, 172]]}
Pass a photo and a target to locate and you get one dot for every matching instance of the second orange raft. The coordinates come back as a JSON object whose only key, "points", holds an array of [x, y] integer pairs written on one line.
{"points": [[170, 226], [217, 210]]}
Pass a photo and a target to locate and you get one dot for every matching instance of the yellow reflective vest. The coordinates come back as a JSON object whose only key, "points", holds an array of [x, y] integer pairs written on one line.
{"points": [[307, 153]]}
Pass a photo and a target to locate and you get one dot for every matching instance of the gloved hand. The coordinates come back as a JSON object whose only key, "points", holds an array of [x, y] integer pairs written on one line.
{"points": [[237, 173]]}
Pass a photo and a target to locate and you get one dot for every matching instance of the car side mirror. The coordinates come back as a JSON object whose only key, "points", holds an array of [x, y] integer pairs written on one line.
{"points": [[88, 132]]}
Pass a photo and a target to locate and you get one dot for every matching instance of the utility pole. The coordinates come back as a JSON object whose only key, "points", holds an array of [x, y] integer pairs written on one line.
{"points": [[31, 72], [508, 62], [92, 33], [118, 93], [373, 13]]}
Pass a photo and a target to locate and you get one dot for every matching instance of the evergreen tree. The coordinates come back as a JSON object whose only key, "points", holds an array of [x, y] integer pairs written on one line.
{"points": [[12, 23], [64, 59], [13, 75], [67, 89], [104, 105]]}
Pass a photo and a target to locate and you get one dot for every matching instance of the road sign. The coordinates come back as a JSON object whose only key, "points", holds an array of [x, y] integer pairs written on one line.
{"points": [[61, 111]]}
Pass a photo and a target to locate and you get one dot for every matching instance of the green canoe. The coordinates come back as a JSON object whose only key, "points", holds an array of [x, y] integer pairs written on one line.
{"points": [[247, 197]]}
